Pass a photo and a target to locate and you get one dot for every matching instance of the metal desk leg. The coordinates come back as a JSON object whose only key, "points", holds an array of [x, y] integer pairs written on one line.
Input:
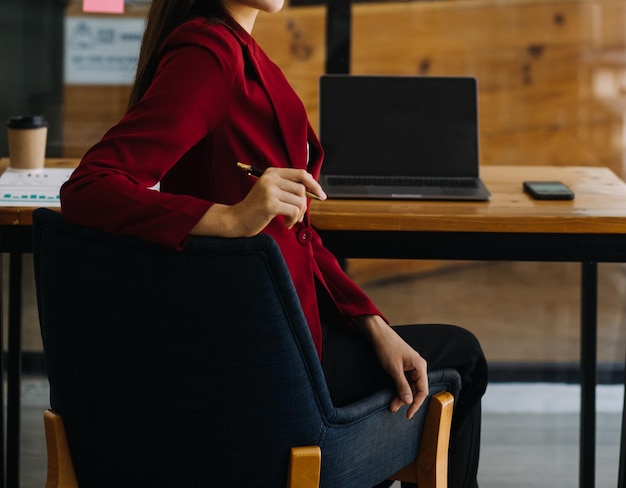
{"points": [[14, 368], [621, 477], [2, 430], [588, 365]]}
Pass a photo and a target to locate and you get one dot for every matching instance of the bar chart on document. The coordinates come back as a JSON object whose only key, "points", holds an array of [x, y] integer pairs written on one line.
{"points": [[35, 188]]}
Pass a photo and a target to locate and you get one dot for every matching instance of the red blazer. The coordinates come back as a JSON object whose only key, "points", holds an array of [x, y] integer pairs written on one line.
{"points": [[215, 99]]}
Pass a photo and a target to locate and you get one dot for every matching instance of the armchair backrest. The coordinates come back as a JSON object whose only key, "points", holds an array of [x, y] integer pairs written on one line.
{"points": [[174, 359]]}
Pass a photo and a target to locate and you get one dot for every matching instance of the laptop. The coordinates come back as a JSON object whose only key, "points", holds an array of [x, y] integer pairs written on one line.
{"points": [[400, 137]]}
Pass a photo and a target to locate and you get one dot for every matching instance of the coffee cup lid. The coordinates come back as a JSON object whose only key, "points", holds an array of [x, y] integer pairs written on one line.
{"points": [[27, 122]]}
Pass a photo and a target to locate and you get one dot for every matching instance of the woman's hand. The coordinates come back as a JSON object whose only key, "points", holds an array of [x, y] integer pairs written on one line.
{"points": [[407, 368], [279, 191]]}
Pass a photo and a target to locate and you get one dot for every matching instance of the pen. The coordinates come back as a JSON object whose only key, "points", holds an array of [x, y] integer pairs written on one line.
{"points": [[256, 172]]}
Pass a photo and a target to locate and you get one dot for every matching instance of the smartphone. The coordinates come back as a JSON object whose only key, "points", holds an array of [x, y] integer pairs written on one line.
{"points": [[548, 190]]}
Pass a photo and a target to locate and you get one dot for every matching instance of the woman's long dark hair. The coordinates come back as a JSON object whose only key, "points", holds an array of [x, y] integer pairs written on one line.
{"points": [[163, 17]]}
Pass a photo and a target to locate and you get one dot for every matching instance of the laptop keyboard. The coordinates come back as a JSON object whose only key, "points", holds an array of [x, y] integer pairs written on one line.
{"points": [[402, 181]]}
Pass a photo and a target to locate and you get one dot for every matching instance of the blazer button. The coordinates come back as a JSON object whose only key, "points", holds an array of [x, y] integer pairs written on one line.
{"points": [[304, 236]]}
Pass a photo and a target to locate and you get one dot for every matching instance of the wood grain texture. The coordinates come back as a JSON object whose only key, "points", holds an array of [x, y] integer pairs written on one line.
{"points": [[551, 74], [599, 206], [60, 467]]}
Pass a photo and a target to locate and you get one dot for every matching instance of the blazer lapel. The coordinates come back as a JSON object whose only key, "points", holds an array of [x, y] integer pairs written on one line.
{"points": [[289, 110]]}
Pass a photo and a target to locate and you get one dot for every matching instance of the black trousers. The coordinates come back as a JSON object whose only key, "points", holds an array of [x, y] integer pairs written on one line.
{"points": [[352, 372]]}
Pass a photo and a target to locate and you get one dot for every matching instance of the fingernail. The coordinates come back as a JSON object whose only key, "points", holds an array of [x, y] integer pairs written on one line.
{"points": [[407, 399]]}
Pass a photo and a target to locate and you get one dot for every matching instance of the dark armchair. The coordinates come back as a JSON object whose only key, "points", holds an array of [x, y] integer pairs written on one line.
{"points": [[196, 368]]}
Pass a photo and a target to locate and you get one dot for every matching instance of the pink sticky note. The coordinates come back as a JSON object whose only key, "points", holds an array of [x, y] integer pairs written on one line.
{"points": [[104, 6]]}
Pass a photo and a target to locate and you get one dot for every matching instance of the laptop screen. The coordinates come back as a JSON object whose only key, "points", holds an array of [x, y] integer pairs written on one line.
{"points": [[399, 125]]}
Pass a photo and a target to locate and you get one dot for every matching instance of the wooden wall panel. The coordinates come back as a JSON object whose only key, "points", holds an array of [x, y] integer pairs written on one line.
{"points": [[89, 111], [551, 73]]}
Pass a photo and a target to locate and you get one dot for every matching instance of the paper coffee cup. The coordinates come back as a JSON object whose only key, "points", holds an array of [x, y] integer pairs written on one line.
{"points": [[27, 141]]}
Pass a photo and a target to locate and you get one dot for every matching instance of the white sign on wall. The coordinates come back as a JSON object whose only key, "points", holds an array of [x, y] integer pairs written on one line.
{"points": [[101, 50]]}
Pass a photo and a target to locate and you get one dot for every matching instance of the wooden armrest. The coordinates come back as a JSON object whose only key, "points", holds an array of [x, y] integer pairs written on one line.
{"points": [[60, 467], [304, 467], [430, 469]]}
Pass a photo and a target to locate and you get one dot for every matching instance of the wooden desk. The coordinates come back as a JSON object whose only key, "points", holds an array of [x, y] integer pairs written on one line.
{"points": [[599, 207], [590, 229]]}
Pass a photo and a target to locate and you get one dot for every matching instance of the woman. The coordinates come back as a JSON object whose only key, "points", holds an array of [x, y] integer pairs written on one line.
{"points": [[206, 97]]}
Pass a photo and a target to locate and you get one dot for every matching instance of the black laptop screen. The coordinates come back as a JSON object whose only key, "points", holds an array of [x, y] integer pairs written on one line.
{"points": [[399, 125]]}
